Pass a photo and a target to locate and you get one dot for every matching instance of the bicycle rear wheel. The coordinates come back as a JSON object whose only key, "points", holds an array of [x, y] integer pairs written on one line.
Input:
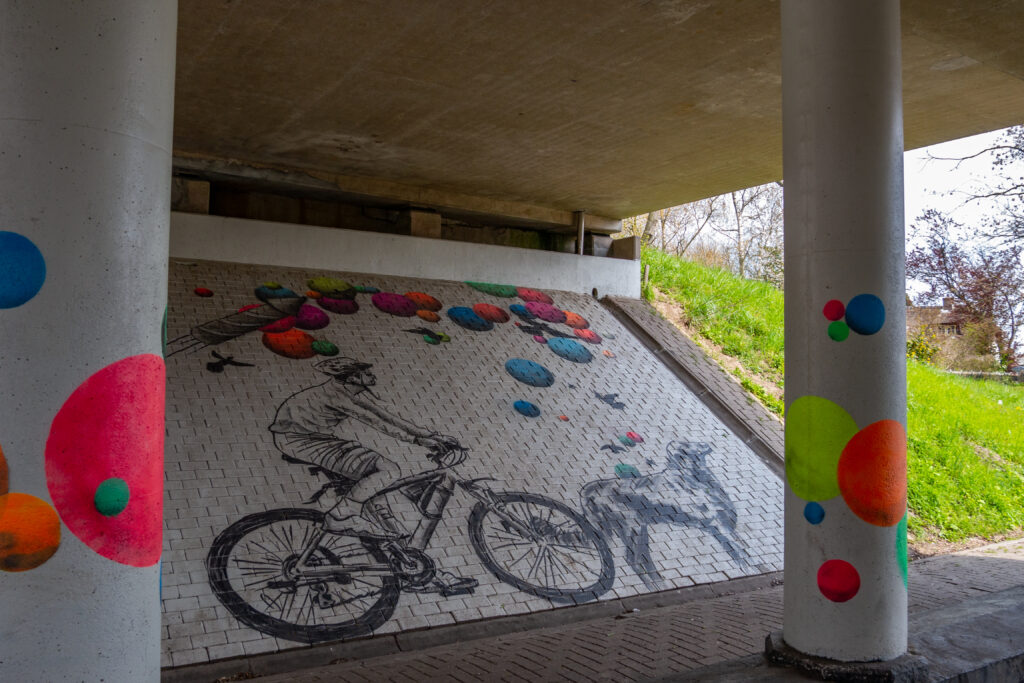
{"points": [[252, 570]]}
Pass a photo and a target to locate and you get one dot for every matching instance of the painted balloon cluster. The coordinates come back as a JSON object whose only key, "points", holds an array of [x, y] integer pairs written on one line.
{"points": [[863, 314], [103, 455]]}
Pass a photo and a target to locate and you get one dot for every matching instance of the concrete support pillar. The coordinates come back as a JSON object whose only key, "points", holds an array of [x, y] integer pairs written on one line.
{"points": [[86, 97], [579, 222], [845, 558]]}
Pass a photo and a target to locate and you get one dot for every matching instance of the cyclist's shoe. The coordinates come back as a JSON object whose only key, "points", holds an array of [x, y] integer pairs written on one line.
{"points": [[448, 584]]}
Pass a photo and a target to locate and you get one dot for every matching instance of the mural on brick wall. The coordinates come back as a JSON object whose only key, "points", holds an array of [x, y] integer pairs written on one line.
{"points": [[476, 467]]}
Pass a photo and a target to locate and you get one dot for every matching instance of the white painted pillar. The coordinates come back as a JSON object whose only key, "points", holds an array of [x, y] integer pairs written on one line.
{"points": [[845, 591], [86, 103]]}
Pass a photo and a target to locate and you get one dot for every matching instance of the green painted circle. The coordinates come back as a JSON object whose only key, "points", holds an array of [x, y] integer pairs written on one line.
{"points": [[111, 497], [901, 548], [325, 348], [816, 432], [838, 330]]}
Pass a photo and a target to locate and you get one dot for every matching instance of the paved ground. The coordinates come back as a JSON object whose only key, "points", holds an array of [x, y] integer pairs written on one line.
{"points": [[663, 642]]}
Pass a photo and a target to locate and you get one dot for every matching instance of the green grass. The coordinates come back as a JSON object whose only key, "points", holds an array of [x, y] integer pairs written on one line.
{"points": [[965, 454], [743, 318], [965, 450]]}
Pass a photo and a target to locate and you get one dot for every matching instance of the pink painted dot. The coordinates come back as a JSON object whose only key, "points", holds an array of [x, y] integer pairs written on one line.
{"points": [[395, 304], [248, 307], [838, 580], [545, 312], [311, 318], [112, 426], [539, 339], [491, 312], [283, 325], [342, 306], [834, 310]]}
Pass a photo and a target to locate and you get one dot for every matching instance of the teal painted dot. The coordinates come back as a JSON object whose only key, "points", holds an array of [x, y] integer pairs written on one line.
{"points": [[111, 497], [526, 408], [624, 471], [626, 441], [22, 269], [838, 330], [901, 548], [325, 348], [814, 513]]}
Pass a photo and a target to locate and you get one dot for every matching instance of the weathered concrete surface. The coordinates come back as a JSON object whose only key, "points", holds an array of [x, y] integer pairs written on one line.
{"points": [[537, 109]]}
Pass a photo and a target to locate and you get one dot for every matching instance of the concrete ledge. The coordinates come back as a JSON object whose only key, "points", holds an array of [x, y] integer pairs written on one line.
{"points": [[906, 669]]}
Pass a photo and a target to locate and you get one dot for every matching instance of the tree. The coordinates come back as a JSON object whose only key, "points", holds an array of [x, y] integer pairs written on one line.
{"points": [[751, 223], [1005, 191], [985, 279]]}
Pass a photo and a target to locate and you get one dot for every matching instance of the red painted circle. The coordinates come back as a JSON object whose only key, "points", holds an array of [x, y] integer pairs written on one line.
{"points": [[588, 336], [834, 310], [291, 344], [425, 302], [491, 313], [838, 580], [203, 292], [112, 425], [527, 294], [872, 473]]}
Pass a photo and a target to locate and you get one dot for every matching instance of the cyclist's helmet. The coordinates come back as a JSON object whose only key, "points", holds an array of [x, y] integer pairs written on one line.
{"points": [[341, 366]]}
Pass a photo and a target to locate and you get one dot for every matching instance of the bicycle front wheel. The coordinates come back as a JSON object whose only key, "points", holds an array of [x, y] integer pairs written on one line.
{"points": [[542, 547], [252, 567]]}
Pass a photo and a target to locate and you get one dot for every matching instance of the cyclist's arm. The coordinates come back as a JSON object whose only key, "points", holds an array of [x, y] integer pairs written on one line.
{"points": [[375, 416]]}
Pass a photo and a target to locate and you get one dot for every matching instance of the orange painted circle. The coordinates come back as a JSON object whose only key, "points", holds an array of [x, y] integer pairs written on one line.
{"points": [[429, 316], [290, 344], [575, 320], [424, 301], [29, 532], [872, 473]]}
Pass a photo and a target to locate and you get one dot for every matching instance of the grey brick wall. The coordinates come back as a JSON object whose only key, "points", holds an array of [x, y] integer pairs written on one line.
{"points": [[709, 512]]}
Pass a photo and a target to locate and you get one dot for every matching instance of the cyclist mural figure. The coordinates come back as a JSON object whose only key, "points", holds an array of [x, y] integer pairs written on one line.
{"points": [[321, 426]]}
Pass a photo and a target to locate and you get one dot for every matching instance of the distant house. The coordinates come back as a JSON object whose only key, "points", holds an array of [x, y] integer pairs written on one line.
{"points": [[943, 321]]}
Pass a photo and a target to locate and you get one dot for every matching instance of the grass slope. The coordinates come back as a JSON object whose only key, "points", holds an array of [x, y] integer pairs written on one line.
{"points": [[965, 449]]}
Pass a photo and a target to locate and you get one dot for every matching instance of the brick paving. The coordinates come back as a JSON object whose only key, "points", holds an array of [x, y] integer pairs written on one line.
{"points": [[657, 643], [222, 464]]}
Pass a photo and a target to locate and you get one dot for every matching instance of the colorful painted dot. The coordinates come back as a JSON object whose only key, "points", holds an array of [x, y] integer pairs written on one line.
{"points": [[540, 339], [588, 336], [570, 350], [367, 290], [463, 316], [491, 313], [608, 353], [294, 344], [834, 310], [872, 473], [575, 320], [283, 325], [424, 302], [838, 580], [342, 306], [526, 408], [273, 284], [248, 307], [111, 497], [545, 312], [817, 430], [30, 530], [527, 294], [838, 331], [198, 291], [313, 294], [429, 316], [901, 548], [528, 372], [395, 304], [434, 341], [311, 318], [865, 314], [503, 291], [635, 437], [331, 287], [112, 426], [625, 471], [521, 311], [626, 441], [22, 269], [324, 348], [563, 418], [264, 293], [814, 513]]}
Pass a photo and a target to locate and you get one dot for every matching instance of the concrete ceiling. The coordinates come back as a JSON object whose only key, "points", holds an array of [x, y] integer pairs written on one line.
{"points": [[535, 108]]}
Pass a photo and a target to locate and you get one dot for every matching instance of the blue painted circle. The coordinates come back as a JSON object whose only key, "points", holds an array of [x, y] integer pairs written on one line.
{"points": [[521, 311], [22, 269], [814, 513], [569, 349], [528, 372], [865, 314], [526, 408], [465, 317]]}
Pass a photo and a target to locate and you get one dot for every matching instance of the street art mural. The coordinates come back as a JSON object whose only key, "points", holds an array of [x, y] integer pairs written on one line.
{"points": [[410, 459]]}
